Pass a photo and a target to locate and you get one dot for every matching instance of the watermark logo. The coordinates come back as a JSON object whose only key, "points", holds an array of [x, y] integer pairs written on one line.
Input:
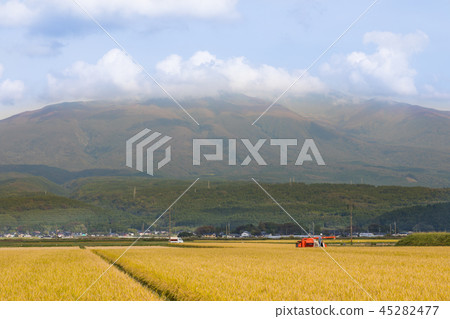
{"points": [[253, 151], [145, 141], [142, 141]]}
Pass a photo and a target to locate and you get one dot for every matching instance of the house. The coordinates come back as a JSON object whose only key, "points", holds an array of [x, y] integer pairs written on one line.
{"points": [[246, 234]]}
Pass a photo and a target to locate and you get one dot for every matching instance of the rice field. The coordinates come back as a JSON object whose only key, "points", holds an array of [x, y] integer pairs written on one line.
{"points": [[63, 274], [226, 271], [256, 271]]}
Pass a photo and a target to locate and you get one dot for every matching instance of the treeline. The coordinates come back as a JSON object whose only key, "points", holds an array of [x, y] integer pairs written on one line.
{"points": [[218, 203], [49, 213], [116, 204], [421, 218]]}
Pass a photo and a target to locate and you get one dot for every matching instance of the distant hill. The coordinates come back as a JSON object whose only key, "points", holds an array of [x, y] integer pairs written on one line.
{"points": [[374, 142], [47, 212], [58, 175], [11, 185], [243, 202], [119, 203], [419, 218]]}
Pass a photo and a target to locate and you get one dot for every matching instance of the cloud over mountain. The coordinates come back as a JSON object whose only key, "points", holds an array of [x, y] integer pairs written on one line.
{"points": [[203, 74], [10, 90], [388, 69], [113, 76]]}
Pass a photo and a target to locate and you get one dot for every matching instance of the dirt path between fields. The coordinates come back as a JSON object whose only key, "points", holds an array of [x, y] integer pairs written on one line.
{"points": [[163, 294]]}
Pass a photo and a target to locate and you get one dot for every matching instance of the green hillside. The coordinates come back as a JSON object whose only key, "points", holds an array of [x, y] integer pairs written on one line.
{"points": [[243, 202], [419, 218], [28, 184], [101, 204], [49, 212]]}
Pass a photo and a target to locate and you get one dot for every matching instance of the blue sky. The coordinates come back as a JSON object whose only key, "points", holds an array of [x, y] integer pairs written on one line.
{"points": [[51, 51]]}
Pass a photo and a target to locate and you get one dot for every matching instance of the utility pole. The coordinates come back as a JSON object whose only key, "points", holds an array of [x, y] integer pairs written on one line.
{"points": [[134, 193], [170, 221], [350, 206], [395, 227]]}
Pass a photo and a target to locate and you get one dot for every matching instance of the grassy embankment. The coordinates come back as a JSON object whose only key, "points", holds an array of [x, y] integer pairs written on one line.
{"points": [[425, 239]]}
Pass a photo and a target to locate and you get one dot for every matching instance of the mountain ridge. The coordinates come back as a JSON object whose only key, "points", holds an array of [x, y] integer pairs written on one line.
{"points": [[379, 142]]}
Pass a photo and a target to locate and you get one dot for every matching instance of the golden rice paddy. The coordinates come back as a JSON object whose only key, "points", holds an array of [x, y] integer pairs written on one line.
{"points": [[255, 271], [63, 274], [226, 271]]}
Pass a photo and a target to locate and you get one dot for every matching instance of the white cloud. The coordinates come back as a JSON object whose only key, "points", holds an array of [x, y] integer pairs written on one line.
{"points": [[113, 76], [203, 74], [432, 93], [154, 8], [15, 13], [10, 90], [387, 70]]}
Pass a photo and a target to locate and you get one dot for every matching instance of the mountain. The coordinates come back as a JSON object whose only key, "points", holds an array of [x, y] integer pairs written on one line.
{"points": [[378, 120], [373, 141]]}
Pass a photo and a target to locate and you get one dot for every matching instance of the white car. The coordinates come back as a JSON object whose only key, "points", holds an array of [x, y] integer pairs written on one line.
{"points": [[175, 240]]}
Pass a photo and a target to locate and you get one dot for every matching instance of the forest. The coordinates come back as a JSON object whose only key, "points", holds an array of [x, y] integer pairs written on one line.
{"points": [[121, 204]]}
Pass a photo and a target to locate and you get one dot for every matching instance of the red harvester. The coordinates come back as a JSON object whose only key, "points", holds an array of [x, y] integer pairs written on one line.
{"points": [[313, 241]]}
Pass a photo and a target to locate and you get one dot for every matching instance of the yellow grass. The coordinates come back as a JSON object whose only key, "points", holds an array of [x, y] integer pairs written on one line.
{"points": [[258, 271], [62, 274], [233, 271]]}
